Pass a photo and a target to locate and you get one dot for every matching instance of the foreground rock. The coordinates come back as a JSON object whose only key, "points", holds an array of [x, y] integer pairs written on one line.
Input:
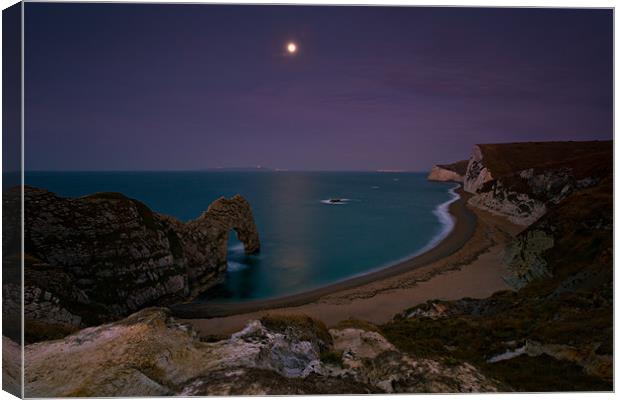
{"points": [[521, 181], [11, 367], [449, 172], [150, 354], [98, 258]]}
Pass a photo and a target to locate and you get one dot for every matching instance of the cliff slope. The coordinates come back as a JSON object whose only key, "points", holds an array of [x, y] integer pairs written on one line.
{"points": [[555, 332], [100, 257]]}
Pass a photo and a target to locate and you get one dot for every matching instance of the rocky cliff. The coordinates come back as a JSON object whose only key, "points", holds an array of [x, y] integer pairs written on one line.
{"points": [[555, 331], [449, 172], [521, 181], [151, 354], [97, 258]]}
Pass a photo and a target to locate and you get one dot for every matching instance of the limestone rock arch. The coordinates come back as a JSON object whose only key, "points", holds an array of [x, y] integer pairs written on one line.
{"points": [[233, 214]]}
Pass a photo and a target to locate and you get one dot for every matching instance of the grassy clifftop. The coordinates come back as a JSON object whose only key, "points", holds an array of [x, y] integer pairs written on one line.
{"points": [[508, 158]]}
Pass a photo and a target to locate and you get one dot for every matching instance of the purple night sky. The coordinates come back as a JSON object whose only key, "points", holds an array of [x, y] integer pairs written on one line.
{"points": [[159, 87]]}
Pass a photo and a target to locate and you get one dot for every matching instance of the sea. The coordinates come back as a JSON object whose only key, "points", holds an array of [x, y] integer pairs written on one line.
{"points": [[307, 241]]}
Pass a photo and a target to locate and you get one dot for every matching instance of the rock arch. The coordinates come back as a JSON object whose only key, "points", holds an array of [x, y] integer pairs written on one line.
{"points": [[102, 256], [233, 214]]}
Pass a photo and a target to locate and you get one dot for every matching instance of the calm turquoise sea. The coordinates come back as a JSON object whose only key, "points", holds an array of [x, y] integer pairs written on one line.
{"points": [[306, 242]]}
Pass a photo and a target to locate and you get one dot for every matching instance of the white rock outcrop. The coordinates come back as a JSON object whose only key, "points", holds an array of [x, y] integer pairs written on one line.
{"points": [[477, 173], [518, 208], [151, 354], [514, 181]]}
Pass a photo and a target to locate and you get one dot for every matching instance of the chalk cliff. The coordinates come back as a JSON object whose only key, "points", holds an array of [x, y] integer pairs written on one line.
{"points": [[526, 181], [97, 258], [555, 332], [449, 172], [521, 181]]}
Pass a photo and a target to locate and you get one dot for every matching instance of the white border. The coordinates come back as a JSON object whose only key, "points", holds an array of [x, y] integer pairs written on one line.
{"points": [[458, 3]]}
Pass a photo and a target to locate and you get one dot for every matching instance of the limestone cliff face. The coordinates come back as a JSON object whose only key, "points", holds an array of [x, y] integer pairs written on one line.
{"points": [[151, 354], [100, 257], [477, 173], [521, 181], [519, 207], [448, 173], [210, 231]]}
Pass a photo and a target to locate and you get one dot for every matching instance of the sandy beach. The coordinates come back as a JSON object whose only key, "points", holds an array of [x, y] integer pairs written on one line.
{"points": [[467, 263]]}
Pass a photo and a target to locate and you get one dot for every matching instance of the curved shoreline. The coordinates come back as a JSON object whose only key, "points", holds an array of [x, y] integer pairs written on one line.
{"points": [[463, 230], [442, 211]]}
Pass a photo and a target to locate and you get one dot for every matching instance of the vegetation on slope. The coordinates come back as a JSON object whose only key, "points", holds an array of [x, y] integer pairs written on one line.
{"points": [[507, 158], [569, 314]]}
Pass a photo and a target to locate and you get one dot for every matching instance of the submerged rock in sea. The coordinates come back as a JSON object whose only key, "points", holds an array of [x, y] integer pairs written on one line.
{"points": [[149, 353], [100, 257]]}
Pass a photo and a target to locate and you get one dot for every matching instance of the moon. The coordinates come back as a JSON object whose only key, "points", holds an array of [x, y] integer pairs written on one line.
{"points": [[291, 48]]}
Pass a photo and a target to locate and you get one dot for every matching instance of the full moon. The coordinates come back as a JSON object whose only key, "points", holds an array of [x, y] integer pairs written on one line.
{"points": [[291, 47]]}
